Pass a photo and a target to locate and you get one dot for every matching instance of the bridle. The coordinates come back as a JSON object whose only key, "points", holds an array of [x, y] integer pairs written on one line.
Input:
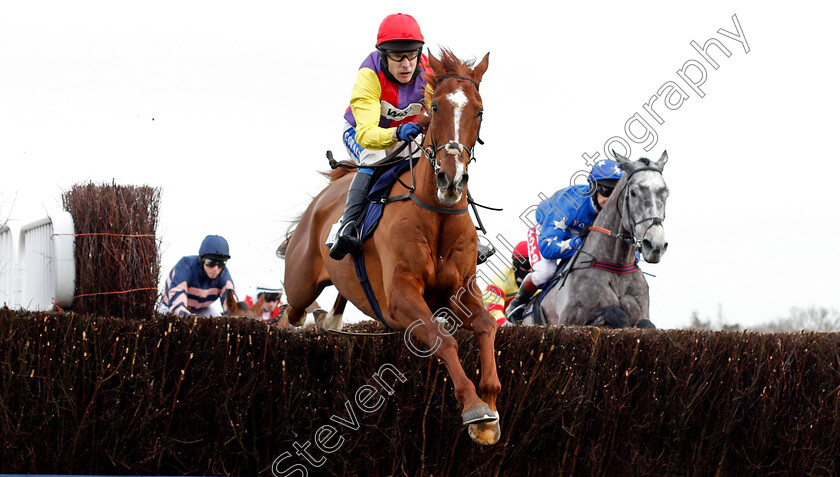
{"points": [[653, 220], [631, 239], [452, 147]]}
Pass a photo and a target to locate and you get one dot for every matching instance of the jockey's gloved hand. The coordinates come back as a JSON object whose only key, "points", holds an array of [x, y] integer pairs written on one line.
{"points": [[584, 233], [408, 131]]}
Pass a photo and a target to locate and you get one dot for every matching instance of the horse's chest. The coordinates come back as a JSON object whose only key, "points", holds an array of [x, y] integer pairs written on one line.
{"points": [[445, 275]]}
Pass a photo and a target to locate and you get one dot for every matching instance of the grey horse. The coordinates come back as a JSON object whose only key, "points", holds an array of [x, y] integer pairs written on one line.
{"points": [[605, 287]]}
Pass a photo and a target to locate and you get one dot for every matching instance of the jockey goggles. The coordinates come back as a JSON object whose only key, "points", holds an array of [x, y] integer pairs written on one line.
{"points": [[211, 263], [271, 297], [605, 190], [397, 57]]}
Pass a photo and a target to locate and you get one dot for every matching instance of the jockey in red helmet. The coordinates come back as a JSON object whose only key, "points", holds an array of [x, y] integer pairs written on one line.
{"points": [[503, 288], [385, 105]]}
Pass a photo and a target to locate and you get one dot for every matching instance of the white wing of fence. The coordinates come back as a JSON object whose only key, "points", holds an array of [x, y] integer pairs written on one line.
{"points": [[46, 272], [8, 266]]}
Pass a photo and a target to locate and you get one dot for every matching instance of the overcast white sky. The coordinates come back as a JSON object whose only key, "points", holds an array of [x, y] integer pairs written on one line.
{"points": [[228, 107]]}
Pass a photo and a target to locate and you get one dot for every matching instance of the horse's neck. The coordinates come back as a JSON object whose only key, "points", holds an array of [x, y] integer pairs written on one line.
{"points": [[425, 181], [610, 249]]}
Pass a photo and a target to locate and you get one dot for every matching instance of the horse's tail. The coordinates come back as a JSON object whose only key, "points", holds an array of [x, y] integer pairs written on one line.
{"points": [[281, 250], [332, 175]]}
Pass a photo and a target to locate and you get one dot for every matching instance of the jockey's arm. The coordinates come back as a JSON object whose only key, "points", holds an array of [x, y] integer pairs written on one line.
{"points": [[175, 292], [177, 299], [367, 109], [555, 239]]}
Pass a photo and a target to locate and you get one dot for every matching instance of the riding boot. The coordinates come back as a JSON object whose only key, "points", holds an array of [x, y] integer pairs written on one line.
{"points": [[517, 306], [348, 231]]}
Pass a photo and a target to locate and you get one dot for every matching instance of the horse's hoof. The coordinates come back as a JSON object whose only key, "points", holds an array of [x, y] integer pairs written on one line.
{"points": [[478, 413], [486, 433]]}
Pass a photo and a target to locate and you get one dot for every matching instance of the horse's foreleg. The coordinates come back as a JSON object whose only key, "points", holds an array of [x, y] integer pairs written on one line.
{"points": [[484, 331], [333, 320], [292, 316], [408, 309]]}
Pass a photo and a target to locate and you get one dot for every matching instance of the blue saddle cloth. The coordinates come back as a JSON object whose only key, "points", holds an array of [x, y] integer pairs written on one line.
{"points": [[381, 188], [533, 307]]}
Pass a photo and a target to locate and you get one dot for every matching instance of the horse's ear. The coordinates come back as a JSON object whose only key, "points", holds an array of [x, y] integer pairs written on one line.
{"points": [[622, 161], [257, 308], [230, 303], [435, 64], [480, 68], [662, 160]]}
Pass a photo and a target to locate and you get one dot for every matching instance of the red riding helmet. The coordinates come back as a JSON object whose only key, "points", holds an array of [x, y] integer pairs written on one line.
{"points": [[401, 28], [521, 251]]}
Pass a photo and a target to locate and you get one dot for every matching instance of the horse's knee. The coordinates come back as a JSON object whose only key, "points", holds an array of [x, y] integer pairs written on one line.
{"points": [[612, 316], [293, 316], [646, 324]]}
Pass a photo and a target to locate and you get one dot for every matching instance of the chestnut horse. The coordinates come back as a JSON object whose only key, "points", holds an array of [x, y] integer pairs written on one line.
{"points": [[421, 260]]}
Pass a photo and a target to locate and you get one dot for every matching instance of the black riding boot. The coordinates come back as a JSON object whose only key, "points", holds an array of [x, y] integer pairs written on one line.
{"points": [[348, 234], [520, 301]]}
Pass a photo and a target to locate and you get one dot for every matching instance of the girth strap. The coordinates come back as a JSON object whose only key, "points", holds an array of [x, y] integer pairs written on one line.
{"points": [[361, 273]]}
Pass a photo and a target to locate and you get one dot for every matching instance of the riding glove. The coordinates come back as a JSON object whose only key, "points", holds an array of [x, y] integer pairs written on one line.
{"points": [[408, 131]]}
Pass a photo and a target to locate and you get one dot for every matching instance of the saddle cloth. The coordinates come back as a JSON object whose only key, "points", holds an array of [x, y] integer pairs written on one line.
{"points": [[383, 180]]}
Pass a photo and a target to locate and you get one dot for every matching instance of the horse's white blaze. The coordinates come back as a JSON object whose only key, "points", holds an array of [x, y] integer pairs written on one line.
{"points": [[458, 100]]}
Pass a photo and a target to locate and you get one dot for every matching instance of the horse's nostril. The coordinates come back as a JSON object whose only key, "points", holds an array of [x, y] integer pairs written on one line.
{"points": [[646, 244], [442, 180], [462, 182]]}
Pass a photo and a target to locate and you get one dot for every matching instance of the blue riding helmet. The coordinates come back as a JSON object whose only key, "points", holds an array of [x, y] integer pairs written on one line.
{"points": [[214, 245], [605, 170]]}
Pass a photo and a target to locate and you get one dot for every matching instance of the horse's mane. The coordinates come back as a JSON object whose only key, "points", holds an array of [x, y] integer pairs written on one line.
{"points": [[452, 65]]}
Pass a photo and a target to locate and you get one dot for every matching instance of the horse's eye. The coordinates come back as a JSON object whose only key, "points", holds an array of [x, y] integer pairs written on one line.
{"points": [[434, 108], [632, 193]]}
